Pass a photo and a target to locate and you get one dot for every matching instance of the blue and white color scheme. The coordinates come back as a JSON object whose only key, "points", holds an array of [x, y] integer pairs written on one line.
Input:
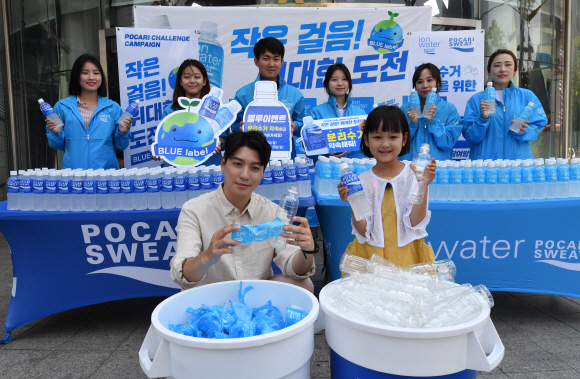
{"points": [[340, 134]]}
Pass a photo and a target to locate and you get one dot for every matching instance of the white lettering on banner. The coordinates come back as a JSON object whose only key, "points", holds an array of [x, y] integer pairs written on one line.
{"points": [[471, 248], [122, 249], [135, 233], [120, 230], [170, 250], [97, 258], [90, 231], [165, 230], [148, 249], [565, 250]]}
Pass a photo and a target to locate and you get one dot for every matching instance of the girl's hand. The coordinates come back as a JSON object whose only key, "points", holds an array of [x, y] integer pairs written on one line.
{"points": [[523, 126], [484, 106], [51, 125], [412, 116], [432, 111], [429, 173], [218, 147], [342, 191], [126, 125]]}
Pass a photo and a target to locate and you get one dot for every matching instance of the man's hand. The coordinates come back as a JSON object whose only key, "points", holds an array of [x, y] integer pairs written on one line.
{"points": [[301, 234], [220, 245], [51, 125], [125, 125]]}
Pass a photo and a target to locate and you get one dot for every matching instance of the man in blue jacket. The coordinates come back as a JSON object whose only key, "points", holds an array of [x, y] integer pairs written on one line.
{"points": [[269, 58]]}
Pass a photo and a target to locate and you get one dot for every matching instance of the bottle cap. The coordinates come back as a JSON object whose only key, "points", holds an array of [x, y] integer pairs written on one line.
{"points": [[290, 161], [40, 101], [13, 173], [442, 164], [489, 84], [52, 173], [575, 160], [293, 190], [491, 165], [27, 173], [307, 120], [502, 164], [137, 101], [343, 166], [479, 164], [192, 170], [434, 89], [531, 104], [425, 147]]}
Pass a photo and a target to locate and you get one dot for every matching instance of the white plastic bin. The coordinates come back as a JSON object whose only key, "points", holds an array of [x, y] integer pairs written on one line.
{"points": [[360, 349], [282, 354]]}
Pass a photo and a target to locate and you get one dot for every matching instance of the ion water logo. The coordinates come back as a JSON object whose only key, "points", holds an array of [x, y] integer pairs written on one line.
{"points": [[387, 35], [172, 78], [561, 253]]}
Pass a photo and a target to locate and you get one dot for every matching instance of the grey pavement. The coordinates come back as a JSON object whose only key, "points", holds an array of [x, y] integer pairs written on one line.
{"points": [[541, 334]]}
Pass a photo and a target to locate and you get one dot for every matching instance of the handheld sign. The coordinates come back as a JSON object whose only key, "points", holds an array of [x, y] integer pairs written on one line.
{"points": [[331, 135], [188, 137]]}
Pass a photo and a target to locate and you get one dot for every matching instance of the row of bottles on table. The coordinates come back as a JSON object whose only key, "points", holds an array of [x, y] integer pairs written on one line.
{"points": [[327, 172], [280, 175], [109, 190], [503, 180]]}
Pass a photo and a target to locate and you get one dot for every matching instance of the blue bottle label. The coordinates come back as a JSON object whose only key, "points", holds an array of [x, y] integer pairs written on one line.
{"points": [[102, 186], [563, 174], [212, 57], [290, 174], [351, 180], [313, 138], [273, 121], [193, 183], [575, 172], [224, 116], [491, 177], [527, 176], [38, 185], [443, 177], [515, 176], [209, 107], [179, 183], [551, 175], [64, 186], [205, 182], [46, 109], [279, 176], [26, 185], [216, 181], [167, 185], [303, 173], [267, 178], [51, 186], [456, 177], [13, 185], [133, 109], [326, 172], [77, 187], [114, 186], [503, 177], [539, 175], [468, 177], [140, 185], [89, 187], [153, 185], [127, 186], [479, 177]]}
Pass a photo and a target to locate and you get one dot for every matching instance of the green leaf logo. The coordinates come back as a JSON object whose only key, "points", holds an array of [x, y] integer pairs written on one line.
{"points": [[185, 103]]}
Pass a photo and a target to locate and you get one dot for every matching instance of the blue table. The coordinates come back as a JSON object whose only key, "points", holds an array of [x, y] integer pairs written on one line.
{"points": [[523, 246], [65, 260]]}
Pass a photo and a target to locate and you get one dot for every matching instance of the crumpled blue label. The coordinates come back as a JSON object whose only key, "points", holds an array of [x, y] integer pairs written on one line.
{"points": [[293, 316], [258, 233]]}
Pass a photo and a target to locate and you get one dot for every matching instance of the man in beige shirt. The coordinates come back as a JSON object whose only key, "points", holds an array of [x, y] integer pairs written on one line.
{"points": [[205, 251]]}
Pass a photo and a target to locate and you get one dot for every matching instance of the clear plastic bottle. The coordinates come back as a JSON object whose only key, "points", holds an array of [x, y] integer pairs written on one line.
{"points": [[430, 101], [479, 182], [279, 180], [443, 182], [38, 191], [217, 177], [539, 180], [490, 191], [64, 196], [13, 191], [211, 53], [193, 185], [455, 182], [527, 181], [116, 198], [420, 161], [211, 104], [50, 114], [563, 178], [303, 174], [468, 183], [89, 192], [313, 138], [287, 209], [551, 179], [167, 195], [225, 115], [290, 175], [444, 269], [325, 183], [574, 178], [516, 190], [334, 175], [131, 111], [523, 116], [76, 189], [180, 184], [359, 166], [268, 190], [205, 181], [103, 198], [153, 192], [140, 191], [356, 195], [50, 192], [503, 181], [127, 197], [490, 98], [415, 103], [434, 186], [350, 264]]}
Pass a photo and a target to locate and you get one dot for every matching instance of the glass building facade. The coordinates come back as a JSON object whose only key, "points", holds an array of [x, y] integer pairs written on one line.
{"points": [[40, 40]]}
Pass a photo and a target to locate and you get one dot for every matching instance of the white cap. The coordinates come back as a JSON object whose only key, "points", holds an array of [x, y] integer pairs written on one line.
{"points": [[323, 158], [489, 84], [550, 162], [575, 160], [538, 162], [293, 190], [468, 164], [515, 164], [138, 174], [40, 101], [434, 89], [180, 172], [531, 104], [290, 161], [527, 163], [127, 174], [205, 169], [52, 173], [307, 120], [21, 172], [192, 170], [343, 166], [502, 164], [334, 159], [442, 164], [491, 164], [478, 164], [79, 173], [455, 164], [13, 173], [27, 173]]}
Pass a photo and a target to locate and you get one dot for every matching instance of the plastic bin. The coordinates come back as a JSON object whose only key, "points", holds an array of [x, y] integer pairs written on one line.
{"points": [[282, 354], [372, 351]]}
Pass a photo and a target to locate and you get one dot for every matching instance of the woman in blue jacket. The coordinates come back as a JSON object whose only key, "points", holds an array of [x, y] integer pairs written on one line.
{"points": [[91, 131], [444, 129], [338, 86], [489, 135]]}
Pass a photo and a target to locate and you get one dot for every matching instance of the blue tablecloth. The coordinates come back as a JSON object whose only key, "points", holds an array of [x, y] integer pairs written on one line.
{"points": [[65, 260], [525, 246]]}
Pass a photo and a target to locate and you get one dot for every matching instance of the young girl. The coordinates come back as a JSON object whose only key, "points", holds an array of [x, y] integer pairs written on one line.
{"points": [[338, 86], [444, 129], [396, 231], [91, 131], [191, 82]]}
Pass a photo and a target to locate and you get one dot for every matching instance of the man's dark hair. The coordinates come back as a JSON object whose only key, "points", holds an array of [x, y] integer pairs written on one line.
{"points": [[270, 44], [74, 86], [499, 52], [435, 73], [330, 71], [386, 118], [254, 140]]}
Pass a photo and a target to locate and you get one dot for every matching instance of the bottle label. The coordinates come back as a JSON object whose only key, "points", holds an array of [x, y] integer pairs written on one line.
{"points": [[205, 182], [273, 121], [132, 108], [212, 57], [153, 185], [64, 186], [140, 185], [313, 138], [13, 185], [479, 177], [551, 175], [37, 186], [515, 176], [575, 172], [303, 173], [114, 186], [539, 175], [456, 177], [443, 177], [102, 186], [563, 174], [267, 178], [279, 176], [291, 174], [51, 186], [468, 177], [216, 181], [326, 172], [209, 107], [127, 185], [167, 185], [258, 233], [351, 180], [527, 176], [46, 109], [89, 187], [224, 116], [193, 183], [179, 183], [77, 187], [503, 177], [491, 177]]}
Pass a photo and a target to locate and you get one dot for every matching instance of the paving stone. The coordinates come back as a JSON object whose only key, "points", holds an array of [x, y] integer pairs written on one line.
{"points": [[99, 338], [68, 365], [41, 337], [552, 305], [120, 365], [319, 370], [14, 363], [547, 375]]}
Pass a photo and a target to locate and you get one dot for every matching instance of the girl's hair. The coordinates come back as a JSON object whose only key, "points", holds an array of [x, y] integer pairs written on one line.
{"points": [[392, 120], [435, 73], [179, 91], [502, 51], [74, 86], [330, 71]]}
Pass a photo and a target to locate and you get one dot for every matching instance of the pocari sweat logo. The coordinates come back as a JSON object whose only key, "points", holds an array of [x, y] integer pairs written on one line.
{"points": [[387, 35], [103, 116], [172, 78], [561, 253], [465, 45]]}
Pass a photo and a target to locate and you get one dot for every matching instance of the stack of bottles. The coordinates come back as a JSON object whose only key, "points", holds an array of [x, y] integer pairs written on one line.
{"points": [[506, 180], [327, 172], [109, 190], [236, 320], [280, 175], [419, 296]]}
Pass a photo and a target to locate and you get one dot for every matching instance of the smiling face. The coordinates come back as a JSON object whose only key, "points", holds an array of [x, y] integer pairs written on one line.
{"points": [[193, 134], [385, 146], [192, 81], [425, 82], [389, 31], [269, 65], [90, 79], [502, 70], [242, 173], [338, 84]]}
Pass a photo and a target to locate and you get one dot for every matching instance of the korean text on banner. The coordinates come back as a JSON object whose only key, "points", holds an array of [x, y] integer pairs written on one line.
{"points": [[148, 64]]}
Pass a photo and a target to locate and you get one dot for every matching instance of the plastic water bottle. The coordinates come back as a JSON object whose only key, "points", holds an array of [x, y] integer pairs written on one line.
{"points": [[420, 160], [516, 189], [539, 180], [76, 195], [211, 53], [193, 185], [26, 200], [325, 184], [131, 111], [180, 184], [303, 175], [267, 183], [503, 181], [334, 175], [415, 103], [167, 196], [313, 138], [455, 180], [211, 104], [287, 209], [140, 191], [468, 183], [13, 191], [551, 179], [279, 180], [490, 191], [523, 116], [50, 114], [434, 186], [563, 178], [356, 195], [574, 188], [153, 190], [290, 175], [478, 182], [359, 166], [115, 195], [217, 177], [442, 182], [38, 191], [127, 198], [50, 191], [205, 181], [103, 199], [431, 100], [527, 181], [89, 192], [490, 98], [64, 196]]}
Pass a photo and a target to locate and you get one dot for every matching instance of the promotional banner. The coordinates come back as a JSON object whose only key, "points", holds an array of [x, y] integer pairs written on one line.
{"points": [[148, 64], [332, 135], [371, 42]]}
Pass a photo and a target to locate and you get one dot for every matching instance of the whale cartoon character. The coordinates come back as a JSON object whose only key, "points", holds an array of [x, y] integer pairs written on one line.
{"points": [[387, 32]]}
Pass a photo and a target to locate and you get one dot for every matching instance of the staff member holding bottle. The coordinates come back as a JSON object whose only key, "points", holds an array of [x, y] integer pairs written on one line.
{"points": [[439, 125], [91, 131], [489, 133]]}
